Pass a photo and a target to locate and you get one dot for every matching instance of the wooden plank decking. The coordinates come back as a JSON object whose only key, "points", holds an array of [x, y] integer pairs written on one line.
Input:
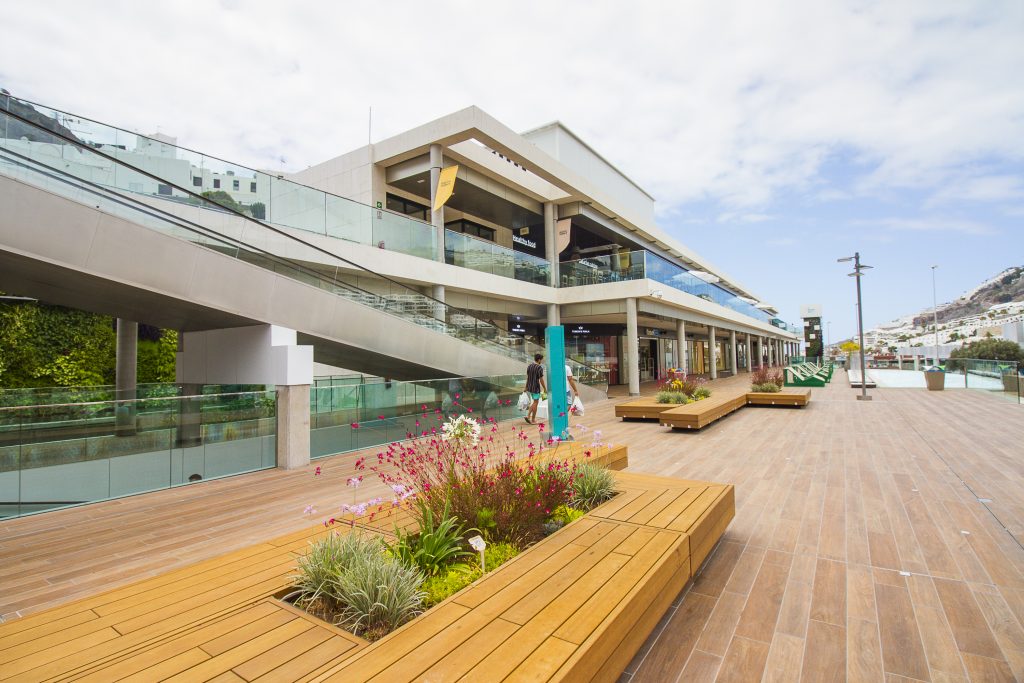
{"points": [[832, 503], [577, 606]]}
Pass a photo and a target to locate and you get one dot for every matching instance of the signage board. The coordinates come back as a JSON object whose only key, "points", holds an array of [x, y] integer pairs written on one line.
{"points": [[810, 311]]}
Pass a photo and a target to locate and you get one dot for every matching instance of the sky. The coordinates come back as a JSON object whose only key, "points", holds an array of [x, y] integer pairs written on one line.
{"points": [[775, 136]]}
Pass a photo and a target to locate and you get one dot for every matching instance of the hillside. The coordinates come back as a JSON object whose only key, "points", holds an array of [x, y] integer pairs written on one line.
{"points": [[1005, 287]]}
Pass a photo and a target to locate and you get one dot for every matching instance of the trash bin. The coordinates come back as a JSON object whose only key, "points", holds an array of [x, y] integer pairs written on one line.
{"points": [[935, 378]]}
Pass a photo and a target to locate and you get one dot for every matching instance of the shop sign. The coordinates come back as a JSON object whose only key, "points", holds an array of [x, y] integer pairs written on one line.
{"points": [[525, 242], [579, 329]]}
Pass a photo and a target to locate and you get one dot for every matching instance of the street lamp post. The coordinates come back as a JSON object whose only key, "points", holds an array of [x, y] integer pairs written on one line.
{"points": [[857, 273], [935, 314]]}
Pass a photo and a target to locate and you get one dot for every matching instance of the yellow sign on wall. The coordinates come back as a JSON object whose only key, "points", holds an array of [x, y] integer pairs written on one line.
{"points": [[445, 186]]}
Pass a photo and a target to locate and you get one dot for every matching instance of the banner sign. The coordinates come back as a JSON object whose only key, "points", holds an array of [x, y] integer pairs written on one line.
{"points": [[562, 235], [445, 186]]}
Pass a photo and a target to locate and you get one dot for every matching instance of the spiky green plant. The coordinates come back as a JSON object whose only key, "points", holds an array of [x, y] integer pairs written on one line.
{"points": [[592, 486]]}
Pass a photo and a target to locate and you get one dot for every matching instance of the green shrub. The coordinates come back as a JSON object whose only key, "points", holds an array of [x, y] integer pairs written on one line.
{"points": [[458, 576], [592, 485], [327, 559], [767, 388], [672, 397], [701, 393], [438, 543], [377, 594]]}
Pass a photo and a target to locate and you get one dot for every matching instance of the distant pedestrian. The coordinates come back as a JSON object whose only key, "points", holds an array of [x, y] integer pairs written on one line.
{"points": [[535, 385]]}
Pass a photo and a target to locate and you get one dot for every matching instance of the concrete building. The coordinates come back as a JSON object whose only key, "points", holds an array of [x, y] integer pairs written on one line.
{"points": [[349, 265], [544, 208]]}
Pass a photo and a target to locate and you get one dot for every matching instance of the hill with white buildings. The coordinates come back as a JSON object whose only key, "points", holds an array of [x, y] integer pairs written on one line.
{"points": [[978, 313]]}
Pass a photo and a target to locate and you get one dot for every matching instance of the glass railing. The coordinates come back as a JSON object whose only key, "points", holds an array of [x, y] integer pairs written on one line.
{"points": [[635, 265], [31, 396], [58, 163], [58, 455], [998, 377], [477, 254], [270, 198], [354, 416]]}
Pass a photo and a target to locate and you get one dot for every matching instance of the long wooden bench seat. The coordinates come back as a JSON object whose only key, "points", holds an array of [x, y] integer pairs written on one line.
{"points": [[575, 607], [790, 396], [642, 409], [702, 413]]}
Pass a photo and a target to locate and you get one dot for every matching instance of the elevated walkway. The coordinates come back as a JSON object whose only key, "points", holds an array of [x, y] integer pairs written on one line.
{"points": [[79, 230]]}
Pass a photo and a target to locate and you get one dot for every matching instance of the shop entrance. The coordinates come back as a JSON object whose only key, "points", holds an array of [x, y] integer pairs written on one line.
{"points": [[648, 360]]}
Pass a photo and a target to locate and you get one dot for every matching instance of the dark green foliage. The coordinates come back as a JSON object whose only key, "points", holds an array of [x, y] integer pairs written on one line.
{"points": [[224, 199], [987, 349], [437, 544], [258, 210]]}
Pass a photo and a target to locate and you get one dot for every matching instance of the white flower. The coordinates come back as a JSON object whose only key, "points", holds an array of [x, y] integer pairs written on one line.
{"points": [[461, 429]]}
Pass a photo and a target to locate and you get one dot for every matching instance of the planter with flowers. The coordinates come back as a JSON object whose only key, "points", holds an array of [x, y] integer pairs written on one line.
{"points": [[767, 380], [464, 499], [678, 388]]}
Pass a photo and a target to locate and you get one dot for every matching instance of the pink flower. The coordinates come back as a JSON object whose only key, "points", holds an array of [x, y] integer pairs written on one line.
{"points": [[354, 425], [316, 472], [309, 510], [380, 417]]}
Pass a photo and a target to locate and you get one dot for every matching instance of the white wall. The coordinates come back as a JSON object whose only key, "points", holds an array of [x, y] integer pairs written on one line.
{"points": [[261, 354]]}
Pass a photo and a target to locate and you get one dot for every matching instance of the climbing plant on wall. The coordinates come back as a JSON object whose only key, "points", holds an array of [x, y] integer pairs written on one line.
{"points": [[42, 345]]}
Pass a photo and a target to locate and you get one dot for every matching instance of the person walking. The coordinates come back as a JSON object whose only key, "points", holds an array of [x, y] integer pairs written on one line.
{"points": [[535, 385], [572, 392]]}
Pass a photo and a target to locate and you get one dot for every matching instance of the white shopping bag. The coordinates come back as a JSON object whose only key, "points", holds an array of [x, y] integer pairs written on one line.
{"points": [[542, 409], [524, 402], [577, 407]]}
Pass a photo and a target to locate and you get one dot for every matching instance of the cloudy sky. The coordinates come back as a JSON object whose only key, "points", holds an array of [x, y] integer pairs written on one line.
{"points": [[776, 136]]}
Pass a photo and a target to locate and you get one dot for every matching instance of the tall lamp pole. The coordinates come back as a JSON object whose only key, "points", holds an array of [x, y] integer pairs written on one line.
{"points": [[857, 273], [935, 313]]}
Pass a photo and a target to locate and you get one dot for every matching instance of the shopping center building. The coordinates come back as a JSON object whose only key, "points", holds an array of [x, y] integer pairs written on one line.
{"points": [[542, 230]]}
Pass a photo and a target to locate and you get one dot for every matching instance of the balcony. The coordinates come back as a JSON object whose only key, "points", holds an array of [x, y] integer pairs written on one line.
{"points": [[487, 257], [636, 265]]}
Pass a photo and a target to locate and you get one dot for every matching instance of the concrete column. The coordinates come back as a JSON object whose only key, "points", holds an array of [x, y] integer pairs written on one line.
{"points": [[773, 358], [681, 345], [732, 351], [551, 242], [437, 217], [748, 356], [554, 318], [293, 426], [712, 352], [632, 348], [126, 372], [258, 354]]}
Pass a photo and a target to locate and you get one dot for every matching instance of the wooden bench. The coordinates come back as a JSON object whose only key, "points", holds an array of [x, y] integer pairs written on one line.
{"points": [[576, 606], [642, 409], [790, 396], [701, 413]]}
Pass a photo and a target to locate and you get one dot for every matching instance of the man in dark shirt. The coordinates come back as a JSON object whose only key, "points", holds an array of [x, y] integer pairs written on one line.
{"points": [[535, 385]]}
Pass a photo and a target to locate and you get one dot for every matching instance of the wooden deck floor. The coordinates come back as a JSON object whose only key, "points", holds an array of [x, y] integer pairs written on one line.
{"points": [[860, 548]]}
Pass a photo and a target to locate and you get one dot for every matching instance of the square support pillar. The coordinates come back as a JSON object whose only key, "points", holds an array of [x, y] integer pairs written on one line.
{"points": [[292, 426]]}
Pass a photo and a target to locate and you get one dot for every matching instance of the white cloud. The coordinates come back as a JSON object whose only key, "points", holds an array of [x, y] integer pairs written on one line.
{"points": [[928, 224], [730, 102]]}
